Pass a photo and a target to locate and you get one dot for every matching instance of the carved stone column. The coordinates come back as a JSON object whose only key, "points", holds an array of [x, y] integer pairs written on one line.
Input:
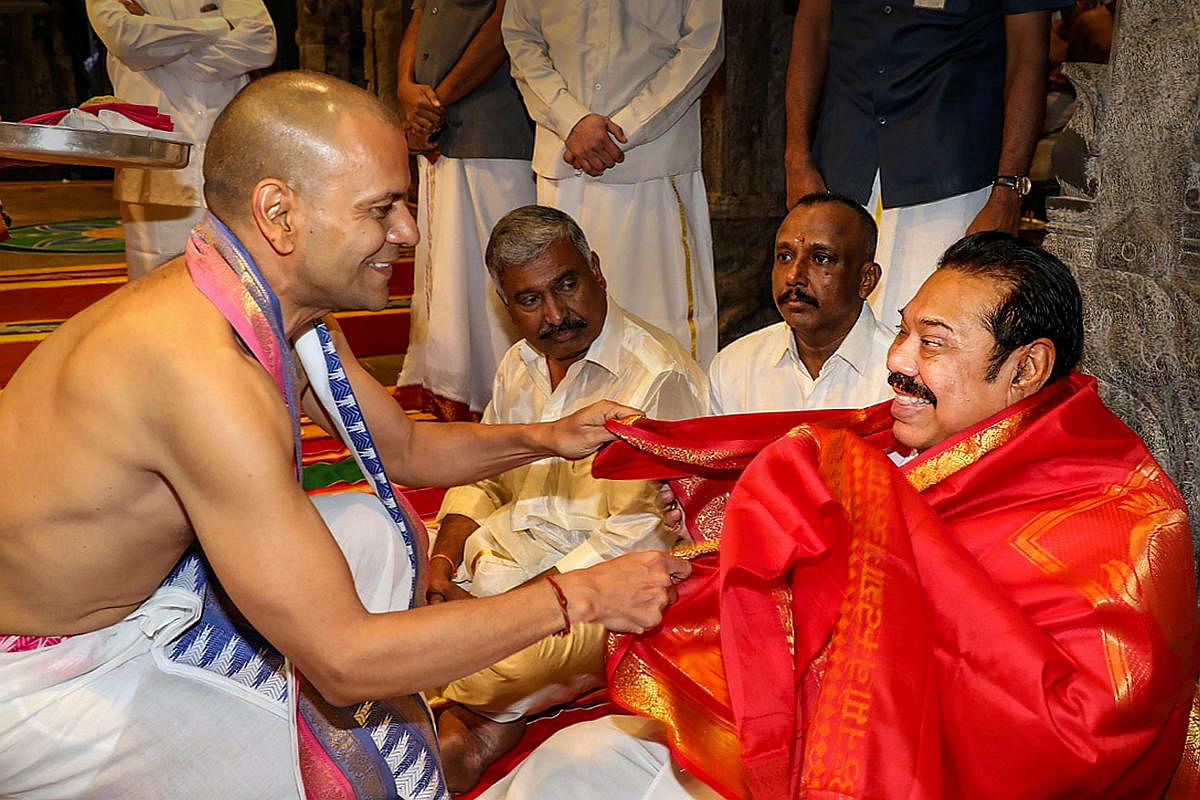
{"points": [[743, 129], [383, 25], [1128, 225], [330, 37]]}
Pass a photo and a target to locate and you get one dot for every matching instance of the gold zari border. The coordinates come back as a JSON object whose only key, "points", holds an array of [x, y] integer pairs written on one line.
{"points": [[962, 455]]}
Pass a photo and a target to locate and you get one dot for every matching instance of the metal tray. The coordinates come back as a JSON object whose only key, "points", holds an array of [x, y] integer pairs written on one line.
{"points": [[51, 144]]}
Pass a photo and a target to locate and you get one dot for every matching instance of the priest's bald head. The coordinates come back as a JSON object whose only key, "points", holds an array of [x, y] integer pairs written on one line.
{"points": [[310, 173]]}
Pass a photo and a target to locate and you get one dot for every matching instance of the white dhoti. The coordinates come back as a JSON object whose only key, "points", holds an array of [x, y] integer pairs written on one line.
{"points": [[911, 240], [612, 757], [154, 234], [654, 239], [460, 329], [107, 714]]}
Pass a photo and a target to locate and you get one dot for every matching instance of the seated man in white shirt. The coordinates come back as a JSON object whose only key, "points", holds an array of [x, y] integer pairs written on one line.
{"points": [[829, 351], [551, 516]]}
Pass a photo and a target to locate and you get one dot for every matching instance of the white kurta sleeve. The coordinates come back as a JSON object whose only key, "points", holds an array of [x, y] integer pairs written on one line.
{"points": [[681, 80], [676, 396], [717, 402], [632, 524], [249, 46], [547, 97], [149, 41]]}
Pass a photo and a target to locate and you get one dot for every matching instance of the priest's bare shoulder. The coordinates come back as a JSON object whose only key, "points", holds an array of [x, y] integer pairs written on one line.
{"points": [[96, 418]]}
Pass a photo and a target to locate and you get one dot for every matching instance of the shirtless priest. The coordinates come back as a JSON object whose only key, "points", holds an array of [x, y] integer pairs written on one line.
{"points": [[178, 619]]}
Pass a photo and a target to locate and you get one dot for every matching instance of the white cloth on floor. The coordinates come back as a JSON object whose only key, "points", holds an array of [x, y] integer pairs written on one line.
{"points": [[654, 239], [911, 240], [99, 714], [553, 512], [762, 371], [460, 329], [611, 757]]}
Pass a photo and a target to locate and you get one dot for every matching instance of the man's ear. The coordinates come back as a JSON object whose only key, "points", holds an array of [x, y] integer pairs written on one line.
{"points": [[595, 268], [273, 205], [868, 279], [1034, 363]]}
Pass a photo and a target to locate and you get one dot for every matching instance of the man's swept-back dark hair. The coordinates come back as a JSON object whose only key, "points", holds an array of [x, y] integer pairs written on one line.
{"points": [[1043, 299], [869, 230]]}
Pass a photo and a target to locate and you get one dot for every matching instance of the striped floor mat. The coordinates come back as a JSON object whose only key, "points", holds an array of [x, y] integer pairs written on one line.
{"points": [[34, 302], [101, 235]]}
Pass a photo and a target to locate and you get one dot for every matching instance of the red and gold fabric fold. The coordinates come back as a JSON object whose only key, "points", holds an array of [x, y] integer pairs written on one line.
{"points": [[1010, 614]]}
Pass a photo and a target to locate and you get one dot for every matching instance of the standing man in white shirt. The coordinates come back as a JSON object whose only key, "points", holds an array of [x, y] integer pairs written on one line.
{"points": [[550, 517], [614, 89], [188, 58], [829, 351]]}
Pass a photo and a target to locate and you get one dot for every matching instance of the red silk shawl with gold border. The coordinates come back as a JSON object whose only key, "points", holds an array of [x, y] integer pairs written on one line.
{"points": [[1011, 614]]}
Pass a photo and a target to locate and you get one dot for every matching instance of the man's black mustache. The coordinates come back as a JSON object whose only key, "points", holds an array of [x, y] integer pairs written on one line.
{"points": [[908, 385], [797, 294], [569, 324]]}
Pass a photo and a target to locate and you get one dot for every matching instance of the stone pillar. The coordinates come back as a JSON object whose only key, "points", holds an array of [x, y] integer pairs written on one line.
{"points": [[383, 25], [1128, 225], [743, 129], [743, 161], [330, 38]]}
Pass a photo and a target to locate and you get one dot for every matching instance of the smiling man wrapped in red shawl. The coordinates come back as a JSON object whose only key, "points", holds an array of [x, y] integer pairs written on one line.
{"points": [[982, 589]]}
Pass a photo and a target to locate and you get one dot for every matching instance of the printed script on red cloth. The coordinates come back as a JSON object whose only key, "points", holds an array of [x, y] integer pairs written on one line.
{"points": [[1010, 614]]}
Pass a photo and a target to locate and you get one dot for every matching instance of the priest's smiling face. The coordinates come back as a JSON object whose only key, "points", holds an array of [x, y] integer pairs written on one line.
{"points": [[355, 221], [557, 301], [941, 360]]}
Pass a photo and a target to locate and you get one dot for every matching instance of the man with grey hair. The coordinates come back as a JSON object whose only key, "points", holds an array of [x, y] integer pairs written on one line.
{"points": [[550, 517]]}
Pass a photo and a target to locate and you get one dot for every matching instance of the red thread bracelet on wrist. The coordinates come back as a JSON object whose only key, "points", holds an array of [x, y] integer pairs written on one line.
{"points": [[562, 606]]}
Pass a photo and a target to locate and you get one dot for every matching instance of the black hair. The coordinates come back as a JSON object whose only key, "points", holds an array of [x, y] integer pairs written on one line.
{"points": [[1043, 299], [870, 231]]}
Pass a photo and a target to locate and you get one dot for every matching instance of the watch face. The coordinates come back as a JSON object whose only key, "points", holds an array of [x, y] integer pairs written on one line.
{"points": [[1024, 185]]}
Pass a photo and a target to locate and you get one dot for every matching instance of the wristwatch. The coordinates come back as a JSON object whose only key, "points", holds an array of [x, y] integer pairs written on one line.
{"points": [[1018, 183]]}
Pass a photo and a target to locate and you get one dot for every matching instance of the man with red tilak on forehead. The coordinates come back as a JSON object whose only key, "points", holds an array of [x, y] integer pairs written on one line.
{"points": [[982, 589]]}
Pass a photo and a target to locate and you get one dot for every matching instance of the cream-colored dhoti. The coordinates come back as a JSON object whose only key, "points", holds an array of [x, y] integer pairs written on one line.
{"points": [[460, 329]]}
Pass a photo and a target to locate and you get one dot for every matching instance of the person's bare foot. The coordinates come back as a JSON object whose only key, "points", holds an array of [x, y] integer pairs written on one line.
{"points": [[470, 743]]}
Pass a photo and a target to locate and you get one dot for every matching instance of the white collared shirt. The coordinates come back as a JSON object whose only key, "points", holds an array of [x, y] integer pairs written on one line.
{"points": [[553, 512], [643, 63], [762, 371], [182, 57]]}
